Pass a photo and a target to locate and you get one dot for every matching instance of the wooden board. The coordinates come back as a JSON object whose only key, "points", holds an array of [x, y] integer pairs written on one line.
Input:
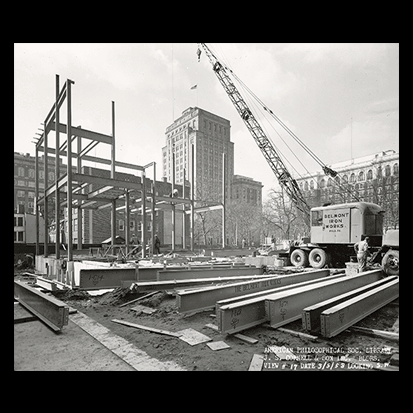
{"points": [[141, 327], [193, 337], [218, 345]]}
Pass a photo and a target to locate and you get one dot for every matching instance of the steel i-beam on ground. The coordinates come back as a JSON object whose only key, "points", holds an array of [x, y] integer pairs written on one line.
{"points": [[51, 311], [311, 315], [336, 319], [282, 308], [208, 296], [239, 313]]}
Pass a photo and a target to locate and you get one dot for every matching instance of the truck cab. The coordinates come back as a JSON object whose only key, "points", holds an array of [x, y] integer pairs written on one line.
{"points": [[346, 223]]}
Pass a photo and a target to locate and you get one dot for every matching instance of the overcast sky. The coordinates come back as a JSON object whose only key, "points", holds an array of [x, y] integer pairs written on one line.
{"points": [[325, 93]]}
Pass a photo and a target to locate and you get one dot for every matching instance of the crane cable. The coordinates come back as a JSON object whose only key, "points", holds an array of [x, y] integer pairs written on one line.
{"points": [[327, 170]]}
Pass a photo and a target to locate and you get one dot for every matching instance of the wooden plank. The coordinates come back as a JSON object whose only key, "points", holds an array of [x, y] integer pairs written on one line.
{"points": [[375, 333], [247, 339], [141, 327], [256, 363], [336, 319], [138, 299], [218, 345], [193, 337]]}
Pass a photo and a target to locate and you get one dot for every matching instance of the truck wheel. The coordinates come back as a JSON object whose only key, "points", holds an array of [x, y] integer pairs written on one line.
{"points": [[318, 258], [390, 262], [299, 258]]}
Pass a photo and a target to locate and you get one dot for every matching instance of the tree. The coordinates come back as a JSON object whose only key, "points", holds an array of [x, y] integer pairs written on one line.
{"points": [[281, 217]]}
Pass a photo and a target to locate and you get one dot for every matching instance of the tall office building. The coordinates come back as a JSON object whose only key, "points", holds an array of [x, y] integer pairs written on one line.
{"points": [[210, 134]]}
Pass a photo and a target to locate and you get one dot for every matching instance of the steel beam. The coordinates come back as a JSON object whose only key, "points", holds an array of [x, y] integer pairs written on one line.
{"points": [[142, 286], [98, 278], [336, 319], [207, 273], [83, 133], [239, 313], [208, 296], [311, 315], [52, 312], [283, 308]]}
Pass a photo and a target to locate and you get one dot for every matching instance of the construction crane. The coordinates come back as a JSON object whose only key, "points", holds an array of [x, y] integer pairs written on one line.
{"points": [[287, 182]]}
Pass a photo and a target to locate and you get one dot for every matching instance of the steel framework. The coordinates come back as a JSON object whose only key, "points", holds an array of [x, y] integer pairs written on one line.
{"points": [[76, 190]]}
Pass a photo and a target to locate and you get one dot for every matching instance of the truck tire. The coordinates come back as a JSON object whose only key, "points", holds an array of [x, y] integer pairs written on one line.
{"points": [[390, 262], [299, 258], [318, 258]]}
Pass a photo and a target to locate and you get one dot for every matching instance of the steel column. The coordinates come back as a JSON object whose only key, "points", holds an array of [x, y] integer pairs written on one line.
{"points": [[57, 172], [69, 171]]}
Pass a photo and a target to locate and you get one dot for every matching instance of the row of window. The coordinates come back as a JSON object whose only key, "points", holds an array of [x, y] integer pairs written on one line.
{"points": [[21, 172], [353, 178]]}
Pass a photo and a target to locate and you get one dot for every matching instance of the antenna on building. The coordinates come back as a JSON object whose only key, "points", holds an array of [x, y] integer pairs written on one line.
{"points": [[173, 96]]}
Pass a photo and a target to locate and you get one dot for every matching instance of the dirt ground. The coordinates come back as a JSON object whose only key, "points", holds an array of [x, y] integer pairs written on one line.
{"points": [[238, 357]]}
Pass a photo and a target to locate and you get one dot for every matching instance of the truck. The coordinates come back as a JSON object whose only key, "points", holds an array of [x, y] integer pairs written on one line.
{"points": [[388, 254], [334, 231]]}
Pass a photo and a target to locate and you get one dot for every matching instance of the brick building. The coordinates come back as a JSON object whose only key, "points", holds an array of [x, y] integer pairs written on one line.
{"points": [[373, 178]]}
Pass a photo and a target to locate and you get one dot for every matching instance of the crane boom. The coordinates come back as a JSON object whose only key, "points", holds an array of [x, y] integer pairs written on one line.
{"points": [[287, 182]]}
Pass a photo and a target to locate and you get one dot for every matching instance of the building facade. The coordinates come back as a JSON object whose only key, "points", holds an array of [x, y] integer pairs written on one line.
{"points": [[210, 134], [373, 178], [24, 179], [246, 190]]}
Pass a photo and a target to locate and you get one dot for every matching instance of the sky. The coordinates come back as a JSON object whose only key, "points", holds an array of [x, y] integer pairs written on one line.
{"points": [[341, 100]]}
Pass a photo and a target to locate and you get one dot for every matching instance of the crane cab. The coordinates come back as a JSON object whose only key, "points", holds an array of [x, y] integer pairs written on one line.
{"points": [[346, 223]]}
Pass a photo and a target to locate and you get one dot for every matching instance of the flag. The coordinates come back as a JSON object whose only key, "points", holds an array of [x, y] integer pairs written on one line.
{"points": [[194, 87]]}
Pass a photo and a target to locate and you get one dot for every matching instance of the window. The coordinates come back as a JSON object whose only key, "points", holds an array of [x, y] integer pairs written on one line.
{"points": [[369, 175], [121, 225], [306, 186], [20, 171], [388, 170], [352, 178], [322, 183], [19, 221], [311, 184], [31, 173], [316, 218], [361, 176], [396, 169]]}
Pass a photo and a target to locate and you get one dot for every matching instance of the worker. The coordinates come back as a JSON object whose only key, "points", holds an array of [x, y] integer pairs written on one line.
{"points": [[157, 244], [361, 249]]}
